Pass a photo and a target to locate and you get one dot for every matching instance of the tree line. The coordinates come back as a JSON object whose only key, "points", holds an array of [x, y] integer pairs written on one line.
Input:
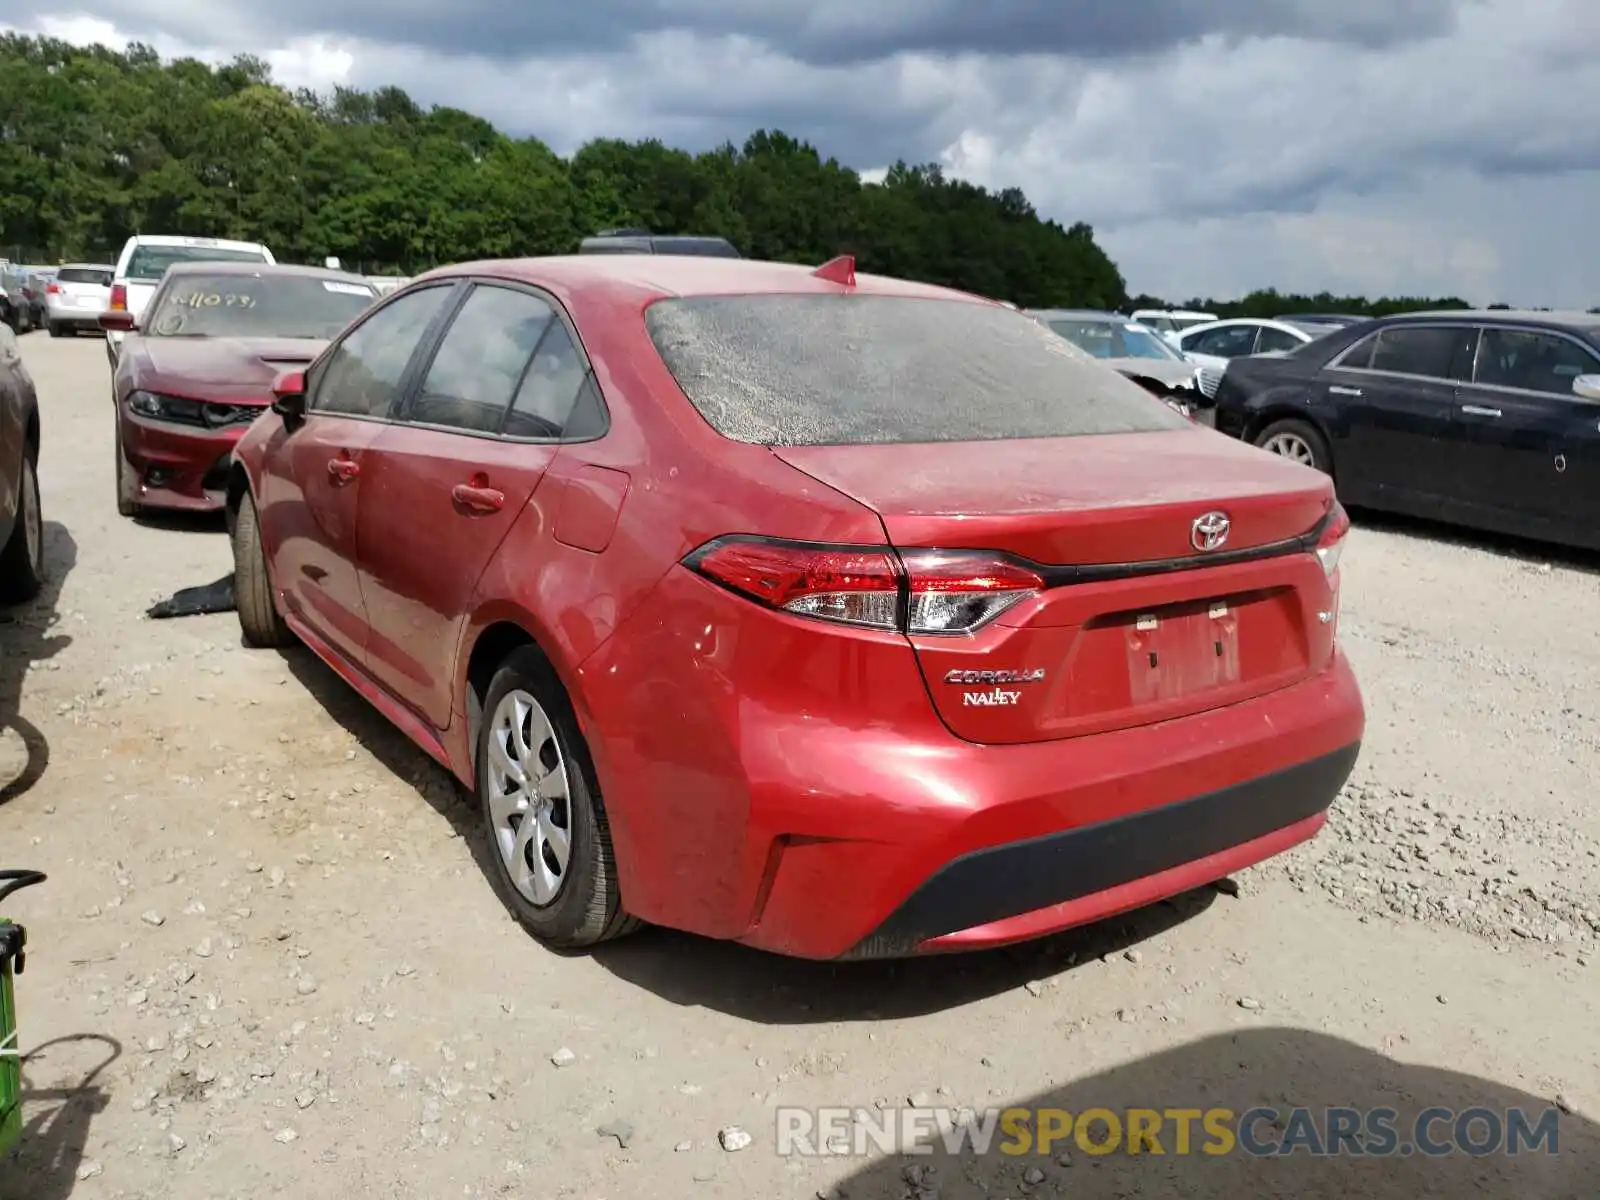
{"points": [[97, 144]]}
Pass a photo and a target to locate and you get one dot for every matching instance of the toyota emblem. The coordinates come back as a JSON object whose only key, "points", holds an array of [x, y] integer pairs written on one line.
{"points": [[1209, 531]]}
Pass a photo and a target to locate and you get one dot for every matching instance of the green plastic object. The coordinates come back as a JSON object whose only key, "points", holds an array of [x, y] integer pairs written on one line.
{"points": [[10, 1052], [13, 944]]}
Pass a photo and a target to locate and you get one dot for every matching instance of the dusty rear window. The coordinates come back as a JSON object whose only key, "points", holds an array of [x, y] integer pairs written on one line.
{"points": [[784, 370], [94, 275]]}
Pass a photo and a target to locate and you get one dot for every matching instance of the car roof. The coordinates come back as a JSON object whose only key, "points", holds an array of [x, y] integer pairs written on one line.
{"points": [[279, 270], [85, 266], [1571, 320], [178, 239], [643, 278]]}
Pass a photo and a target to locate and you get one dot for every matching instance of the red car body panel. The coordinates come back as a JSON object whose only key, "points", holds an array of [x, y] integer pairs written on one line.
{"points": [[230, 372], [812, 788]]}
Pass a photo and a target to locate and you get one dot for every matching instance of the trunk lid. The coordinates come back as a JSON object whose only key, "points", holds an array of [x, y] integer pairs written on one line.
{"points": [[1133, 623]]}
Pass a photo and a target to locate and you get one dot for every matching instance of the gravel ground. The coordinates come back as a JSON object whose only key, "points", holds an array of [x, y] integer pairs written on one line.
{"points": [[267, 963]]}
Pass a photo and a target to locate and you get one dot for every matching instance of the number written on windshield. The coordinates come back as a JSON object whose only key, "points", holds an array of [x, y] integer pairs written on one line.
{"points": [[214, 300]]}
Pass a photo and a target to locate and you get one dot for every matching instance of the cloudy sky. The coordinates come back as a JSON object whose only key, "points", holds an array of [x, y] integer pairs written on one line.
{"points": [[1370, 146]]}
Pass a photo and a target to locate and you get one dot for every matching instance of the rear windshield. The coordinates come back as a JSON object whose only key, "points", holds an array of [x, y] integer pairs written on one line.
{"points": [[252, 306], [151, 262], [782, 370], [84, 275]]}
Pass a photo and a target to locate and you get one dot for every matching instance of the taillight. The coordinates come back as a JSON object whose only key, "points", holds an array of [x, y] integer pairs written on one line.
{"points": [[915, 591], [119, 297], [54, 289], [1331, 544]]}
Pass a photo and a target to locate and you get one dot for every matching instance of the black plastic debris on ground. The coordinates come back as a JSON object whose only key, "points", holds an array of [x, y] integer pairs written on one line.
{"points": [[196, 601]]}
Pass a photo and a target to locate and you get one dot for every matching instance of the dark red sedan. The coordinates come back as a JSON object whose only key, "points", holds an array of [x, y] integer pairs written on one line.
{"points": [[198, 368], [837, 615]]}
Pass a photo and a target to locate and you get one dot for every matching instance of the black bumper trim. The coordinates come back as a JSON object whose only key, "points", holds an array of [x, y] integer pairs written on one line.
{"points": [[1020, 877]]}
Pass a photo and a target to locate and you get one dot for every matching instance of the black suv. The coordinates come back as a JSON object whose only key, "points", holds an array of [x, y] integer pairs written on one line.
{"points": [[642, 241]]}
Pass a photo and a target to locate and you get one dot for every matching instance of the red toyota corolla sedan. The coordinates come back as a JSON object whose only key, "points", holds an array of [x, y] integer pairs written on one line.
{"points": [[840, 616], [199, 368]]}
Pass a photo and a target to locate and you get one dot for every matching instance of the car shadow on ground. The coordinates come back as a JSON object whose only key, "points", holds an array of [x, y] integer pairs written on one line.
{"points": [[1524, 550], [181, 522], [773, 990], [27, 637], [57, 1116], [729, 978], [1275, 1068]]}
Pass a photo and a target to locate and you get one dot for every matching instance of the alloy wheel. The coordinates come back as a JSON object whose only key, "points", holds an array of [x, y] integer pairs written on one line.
{"points": [[530, 811], [1291, 446]]}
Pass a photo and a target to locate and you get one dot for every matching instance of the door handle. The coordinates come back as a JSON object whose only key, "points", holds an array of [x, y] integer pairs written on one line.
{"points": [[478, 497], [1480, 412], [343, 470], [1344, 391]]}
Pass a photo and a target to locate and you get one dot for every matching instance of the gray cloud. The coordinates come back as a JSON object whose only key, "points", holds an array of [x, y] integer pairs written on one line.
{"points": [[1215, 145], [817, 32]]}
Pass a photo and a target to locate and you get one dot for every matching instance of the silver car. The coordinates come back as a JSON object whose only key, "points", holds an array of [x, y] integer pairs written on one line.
{"points": [[77, 297]]}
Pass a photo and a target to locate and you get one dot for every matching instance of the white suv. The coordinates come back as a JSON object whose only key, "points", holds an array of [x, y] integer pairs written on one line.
{"points": [[145, 259]]}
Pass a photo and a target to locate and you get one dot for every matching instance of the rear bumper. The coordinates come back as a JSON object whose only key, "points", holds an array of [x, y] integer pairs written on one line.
{"points": [[176, 467], [1000, 844], [1025, 889], [73, 316], [797, 792]]}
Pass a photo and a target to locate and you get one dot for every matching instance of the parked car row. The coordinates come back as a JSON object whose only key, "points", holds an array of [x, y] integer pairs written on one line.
{"points": [[1486, 419], [22, 296], [608, 540]]}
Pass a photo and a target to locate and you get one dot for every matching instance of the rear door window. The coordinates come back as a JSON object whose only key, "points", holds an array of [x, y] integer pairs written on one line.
{"points": [[549, 390], [481, 360], [811, 370], [1532, 361], [1430, 351]]}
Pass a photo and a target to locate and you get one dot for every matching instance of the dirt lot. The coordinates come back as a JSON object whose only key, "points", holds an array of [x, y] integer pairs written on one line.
{"points": [[267, 964]]}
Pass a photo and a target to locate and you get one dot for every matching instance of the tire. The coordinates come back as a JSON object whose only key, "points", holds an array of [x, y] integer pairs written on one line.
{"points": [[1298, 441], [56, 330], [259, 620], [584, 905], [127, 506], [22, 559]]}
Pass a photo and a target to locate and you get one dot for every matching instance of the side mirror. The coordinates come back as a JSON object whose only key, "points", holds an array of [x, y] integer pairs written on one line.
{"points": [[1587, 386], [289, 397], [118, 321]]}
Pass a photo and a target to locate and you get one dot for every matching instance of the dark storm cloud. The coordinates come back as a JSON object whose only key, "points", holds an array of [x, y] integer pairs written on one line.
{"points": [[819, 32]]}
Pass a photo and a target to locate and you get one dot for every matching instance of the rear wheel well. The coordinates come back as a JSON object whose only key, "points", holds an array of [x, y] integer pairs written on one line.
{"points": [[1281, 412], [491, 649], [238, 487]]}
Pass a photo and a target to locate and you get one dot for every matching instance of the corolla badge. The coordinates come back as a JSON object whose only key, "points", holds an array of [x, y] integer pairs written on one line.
{"points": [[1210, 531], [1025, 675]]}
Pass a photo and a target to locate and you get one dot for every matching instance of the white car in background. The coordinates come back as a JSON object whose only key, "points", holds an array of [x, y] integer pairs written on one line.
{"points": [[1213, 345], [76, 297], [1169, 322], [145, 258]]}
